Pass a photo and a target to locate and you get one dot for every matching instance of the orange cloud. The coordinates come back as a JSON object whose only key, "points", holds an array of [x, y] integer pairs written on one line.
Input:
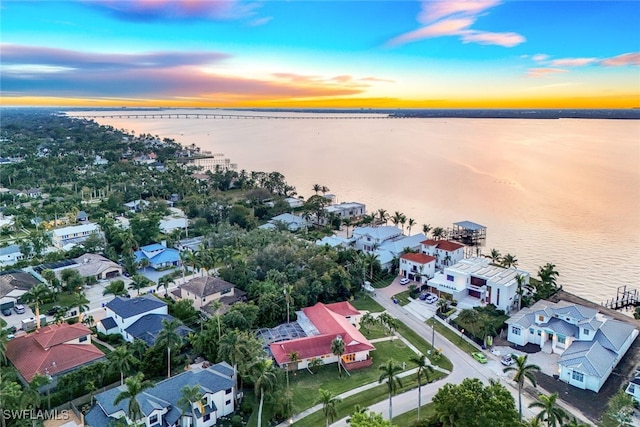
{"points": [[621, 60], [541, 72], [498, 39], [572, 62]]}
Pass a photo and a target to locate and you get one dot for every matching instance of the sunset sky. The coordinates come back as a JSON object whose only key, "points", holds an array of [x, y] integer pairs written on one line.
{"points": [[356, 54]]}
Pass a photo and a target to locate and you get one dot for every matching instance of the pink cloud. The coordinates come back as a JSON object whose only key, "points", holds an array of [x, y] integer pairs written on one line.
{"points": [[632, 58], [376, 79], [447, 27], [174, 10], [541, 72], [572, 62], [499, 39], [434, 10], [540, 57]]}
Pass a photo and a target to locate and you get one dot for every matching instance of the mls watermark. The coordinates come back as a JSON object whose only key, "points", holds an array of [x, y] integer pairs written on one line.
{"points": [[35, 414]]}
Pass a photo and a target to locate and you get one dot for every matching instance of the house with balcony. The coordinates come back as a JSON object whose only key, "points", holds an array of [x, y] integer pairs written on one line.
{"points": [[418, 267], [589, 343], [368, 239], [52, 351], [202, 291], [137, 318], [317, 327], [159, 404], [445, 252], [478, 282]]}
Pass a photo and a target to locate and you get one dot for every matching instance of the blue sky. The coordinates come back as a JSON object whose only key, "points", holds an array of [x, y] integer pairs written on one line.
{"points": [[440, 54]]}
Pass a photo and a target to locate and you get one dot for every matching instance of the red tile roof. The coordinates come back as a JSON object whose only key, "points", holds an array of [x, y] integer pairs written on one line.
{"points": [[445, 245], [419, 258], [29, 356], [343, 308], [330, 324]]}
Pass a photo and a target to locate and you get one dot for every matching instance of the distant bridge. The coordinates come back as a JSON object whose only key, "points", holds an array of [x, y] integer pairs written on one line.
{"points": [[232, 116]]}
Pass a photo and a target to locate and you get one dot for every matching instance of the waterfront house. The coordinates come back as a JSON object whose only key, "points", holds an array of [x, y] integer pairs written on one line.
{"points": [[204, 290], [68, 237], [52, 351], [418, 267], [317, 327], [478, 282], [445, 252], [159, 404], [136, 318], [158, 255], [290, 221], [589, 343], [351, 210], [368, 239], [294, 202]]}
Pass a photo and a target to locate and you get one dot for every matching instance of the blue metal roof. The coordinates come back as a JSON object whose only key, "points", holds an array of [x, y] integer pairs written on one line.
{"points": [[152, 247], [128, 307], [469, 225]]}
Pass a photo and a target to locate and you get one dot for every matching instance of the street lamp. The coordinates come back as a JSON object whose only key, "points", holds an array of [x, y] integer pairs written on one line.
{"points": [[433, 332], [461, 335]]}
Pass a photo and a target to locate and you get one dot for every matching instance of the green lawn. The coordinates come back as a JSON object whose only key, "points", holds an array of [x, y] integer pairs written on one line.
{"points": [[364, 399], [382, 282], [365, 302], [423, 345], [63, 299], [455, 338], [375, 331], [403, 297], [408, 418], [306, 385]]}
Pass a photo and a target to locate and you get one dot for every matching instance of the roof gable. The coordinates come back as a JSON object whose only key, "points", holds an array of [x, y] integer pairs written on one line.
{"points": [[205, 286], [418, 258], [129, 307]]}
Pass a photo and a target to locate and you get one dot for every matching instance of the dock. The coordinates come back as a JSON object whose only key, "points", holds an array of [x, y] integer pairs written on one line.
{"points": [[624, 298]]}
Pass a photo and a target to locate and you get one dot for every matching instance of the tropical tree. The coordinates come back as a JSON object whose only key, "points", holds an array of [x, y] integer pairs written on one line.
{"points": [[411, 222], [30, 396], [347, 223], [619, 411], [509, 261], [396, 219], [573, 422], [470, 317], [264, 377], [495, 256], [138, 281], [328, 401], [135, 385], [521, 287], [80, 300], [240, 349], [426, 228], [189, 395], [522, 371], [384, 217], [424, 368], [164, 282], [316, 188], [116, 288], [389, 374], [368, 419], [121, 360], [437, 233], [337, 348], [169, 338], [37, 296], [370, 260], [550, 411]]}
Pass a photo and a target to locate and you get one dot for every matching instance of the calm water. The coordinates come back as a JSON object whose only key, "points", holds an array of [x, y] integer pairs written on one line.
{"points": [[562, 191]]}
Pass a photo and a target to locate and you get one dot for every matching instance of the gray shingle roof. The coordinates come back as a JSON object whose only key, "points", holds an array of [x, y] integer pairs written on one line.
{"points": [[149, 326], [128, 307], [108, 323], [561, 327], [588, 357], [613, 334], [576, 311]]}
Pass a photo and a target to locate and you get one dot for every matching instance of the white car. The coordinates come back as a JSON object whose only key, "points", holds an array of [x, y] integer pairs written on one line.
{"points": [[431, 299], [404, 281]]}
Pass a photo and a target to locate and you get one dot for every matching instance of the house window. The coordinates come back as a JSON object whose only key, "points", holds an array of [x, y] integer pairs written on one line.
{"points": [[540, 318], [153, 419], [227, 391], [206, 417], [228, 402], [632, 388], [539, 333], [561, 339], [449, 277], [586, 332], [577, 376], [83, 339], [515, 331], [531, 331]]}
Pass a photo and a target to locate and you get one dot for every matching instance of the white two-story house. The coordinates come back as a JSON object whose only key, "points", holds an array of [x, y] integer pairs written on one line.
{"points": [[418, 267], [67, 237], [445, 252], [368, 239], [160, 405], [590, 344], [478, 279]]}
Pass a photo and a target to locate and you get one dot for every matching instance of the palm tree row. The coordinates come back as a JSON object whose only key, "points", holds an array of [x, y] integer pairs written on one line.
{"points": [[506, 261]]}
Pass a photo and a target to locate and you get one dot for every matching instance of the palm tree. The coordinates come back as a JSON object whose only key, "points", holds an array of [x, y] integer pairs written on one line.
{"points": [[30, 394], [390, 375], [426, 228], [396, 218], [37, 295], [370, 260], [411, 223], [425, 368], [437, 233], [164, 282], [316, 188], [116, 288], [382, 214], [121, 360], [288, 294], [551, 412], [403, 221], [523, 372], [347, 223], [470, 317], [188, 396], [168, 337], [264, 379], [574, 423], [233, 347], [495, 256], [328, 401], [135, 386], [521, 285], [337, 348], [138, 282], [80, 300], [509, 261]]}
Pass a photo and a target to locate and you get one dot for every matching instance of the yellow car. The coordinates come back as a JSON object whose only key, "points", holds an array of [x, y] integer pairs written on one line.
{"points": [[479, 357]]}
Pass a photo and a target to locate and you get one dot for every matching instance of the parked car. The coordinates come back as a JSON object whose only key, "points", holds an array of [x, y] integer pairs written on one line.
{"points": [[423, 296], [6, 311], [431, 298], [508, 359], [53, 310], [404, 281], [479, 357], [19, 309]]}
